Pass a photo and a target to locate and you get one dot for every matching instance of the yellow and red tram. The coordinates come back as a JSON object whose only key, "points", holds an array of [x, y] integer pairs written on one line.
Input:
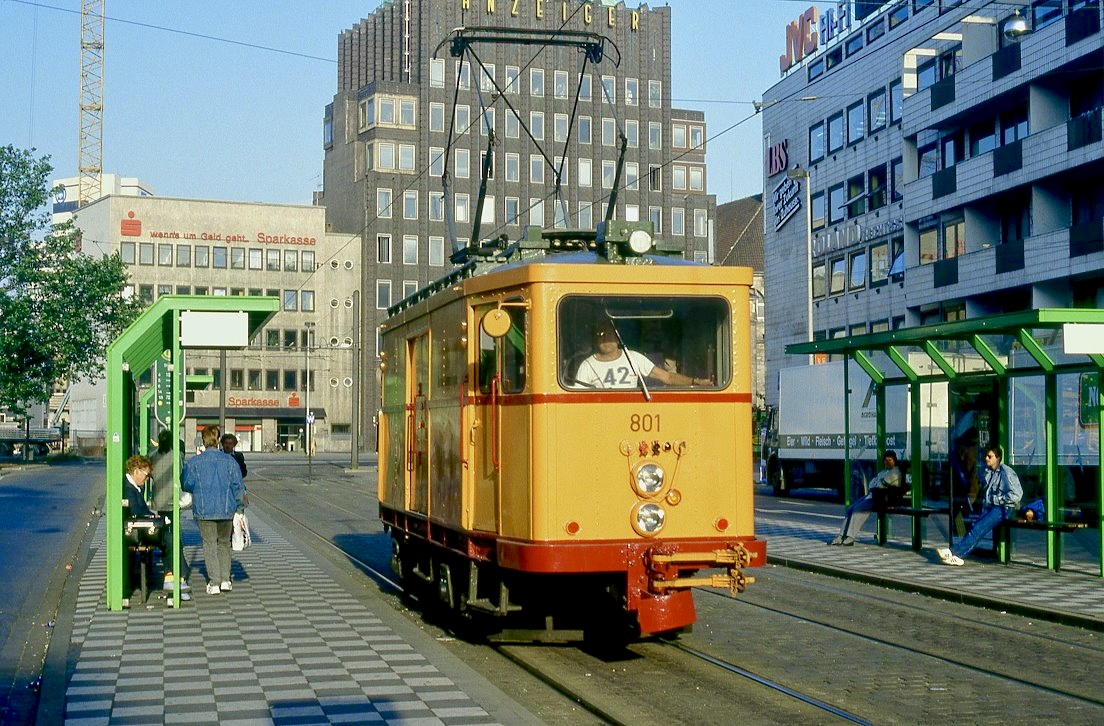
{"points": [[519, 484]]}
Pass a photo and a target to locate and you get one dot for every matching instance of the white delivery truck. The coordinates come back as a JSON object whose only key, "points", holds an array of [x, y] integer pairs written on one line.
{"points": [[808, 435]]}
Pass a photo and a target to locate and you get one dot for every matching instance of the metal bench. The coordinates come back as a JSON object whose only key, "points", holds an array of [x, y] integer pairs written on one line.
{"points": [[917, 513], [1002, 534]]}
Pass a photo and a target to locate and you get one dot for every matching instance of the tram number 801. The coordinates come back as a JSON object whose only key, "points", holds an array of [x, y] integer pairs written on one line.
{"points": [[643, 422]]}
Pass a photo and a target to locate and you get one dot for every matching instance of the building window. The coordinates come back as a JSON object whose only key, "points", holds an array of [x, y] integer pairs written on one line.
{"points": [[835, 133], [655, 135], [929, 245], [218, 257], [486, 77], [585, 87], [816, 201], [536, 124], [272, 260], [291, 300], [584, 130], [632, 91], [678, 136], [609, 89], [256, 259], [437, 72], [818, 281], [512, 79], [460, 208], [306, 301], [410, 204], [586, 216], [655, 94], [165, 255], [853, 45], [697, 179], [857, 277], [701, 223], [878, 187], [559, 84], [436, 161], [983, 137], [512, 205], [463, 119], [383, 203], [816, 142], [436, 251], [879, 264], [838, 281], [655, 177], [436, 206], [536, 81], [896, 101], [536, 169], [837, 204], [437, 117], [927, 160], [145, 253], [409, 288], [513, 167], [875, 31], [407, 160], [308, 261], [383, 249], [1045, 12], [678, 221], [463, 74], [383, 294], [655, 216], [410, 249], [513, 125], [678, 177], [897, 179], [954, 238], [126, 251], [632, 133], [876, 110], [462, 167], [536, 212], [183, 255], [1014, 124], [898, 15], [291, 260], [559, 127], [926, 75], [586, 172], [952, 149], [608, 170], [609, 132], [856, 196]]}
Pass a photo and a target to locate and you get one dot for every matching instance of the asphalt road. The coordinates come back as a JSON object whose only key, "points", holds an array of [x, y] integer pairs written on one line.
{"points": [[45, 513]]}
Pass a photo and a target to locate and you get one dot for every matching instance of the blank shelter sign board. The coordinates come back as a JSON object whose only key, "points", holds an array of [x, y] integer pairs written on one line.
{"points": [[1083, 338], [214, 329]]}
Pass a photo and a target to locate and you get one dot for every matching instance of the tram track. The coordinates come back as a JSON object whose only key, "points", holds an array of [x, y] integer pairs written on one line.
{"points": [[529, 657], [809, 648]]}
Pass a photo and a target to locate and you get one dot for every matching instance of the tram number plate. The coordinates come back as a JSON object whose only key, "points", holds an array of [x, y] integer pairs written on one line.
{"points": [[644, 422]]}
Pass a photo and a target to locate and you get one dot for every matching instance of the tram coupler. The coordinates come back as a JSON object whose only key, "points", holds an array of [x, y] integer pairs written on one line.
{"points": [[736, 554], [734, 581]]}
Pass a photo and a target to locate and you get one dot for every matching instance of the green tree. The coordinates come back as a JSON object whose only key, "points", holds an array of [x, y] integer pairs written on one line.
{"points": [[59, 308]]}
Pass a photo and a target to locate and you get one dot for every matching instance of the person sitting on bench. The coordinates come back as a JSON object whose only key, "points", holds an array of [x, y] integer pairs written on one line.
{"points": [[889, 479], [1002, 498]]}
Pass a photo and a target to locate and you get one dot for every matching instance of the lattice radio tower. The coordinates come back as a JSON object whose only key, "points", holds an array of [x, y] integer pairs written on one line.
{"points": [[90, 154]]}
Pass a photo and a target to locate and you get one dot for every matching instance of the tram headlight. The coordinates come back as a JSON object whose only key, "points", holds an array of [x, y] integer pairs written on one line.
{"points": [[648, 519], [640, 241], [648, 479]]}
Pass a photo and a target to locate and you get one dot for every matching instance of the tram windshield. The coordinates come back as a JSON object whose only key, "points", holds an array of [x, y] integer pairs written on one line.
{"points": [[611, 342]]}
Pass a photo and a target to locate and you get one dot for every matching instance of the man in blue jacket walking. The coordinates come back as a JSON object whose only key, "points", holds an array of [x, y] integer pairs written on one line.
{"points": [[215, 482]]}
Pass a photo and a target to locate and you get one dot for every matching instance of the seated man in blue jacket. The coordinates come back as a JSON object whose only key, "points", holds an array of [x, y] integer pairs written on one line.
{"points": [[1002, 497]]}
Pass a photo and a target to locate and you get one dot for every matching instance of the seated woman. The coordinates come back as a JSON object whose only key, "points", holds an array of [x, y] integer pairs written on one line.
{"points": [[857, 514], [138, 470]]}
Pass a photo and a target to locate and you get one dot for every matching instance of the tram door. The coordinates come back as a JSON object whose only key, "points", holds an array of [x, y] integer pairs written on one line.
{"points": [[483, 437], [416, 436]]}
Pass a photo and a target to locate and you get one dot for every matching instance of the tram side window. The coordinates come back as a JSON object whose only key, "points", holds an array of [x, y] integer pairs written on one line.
{"points": [[683, 335], [504, 357]]}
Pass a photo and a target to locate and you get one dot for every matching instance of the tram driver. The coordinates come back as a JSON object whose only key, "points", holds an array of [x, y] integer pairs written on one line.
{"points": [[612, 365]]}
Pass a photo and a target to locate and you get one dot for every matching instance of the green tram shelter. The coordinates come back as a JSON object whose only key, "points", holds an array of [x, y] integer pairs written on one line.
{"points": [[1046, 362], [157, 342]]}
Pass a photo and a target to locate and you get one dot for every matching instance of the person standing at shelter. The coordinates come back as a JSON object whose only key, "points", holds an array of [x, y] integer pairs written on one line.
{"points": [[228, 442], [214, 480], [889, 479], [1002, 497], [162, 502]]}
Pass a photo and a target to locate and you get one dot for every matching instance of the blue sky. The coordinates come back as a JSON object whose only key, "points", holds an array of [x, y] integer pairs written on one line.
{"points": [[197, 117]]}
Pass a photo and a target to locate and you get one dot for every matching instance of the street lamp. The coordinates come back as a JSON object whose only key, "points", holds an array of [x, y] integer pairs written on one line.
{"points": [[309, 418]]}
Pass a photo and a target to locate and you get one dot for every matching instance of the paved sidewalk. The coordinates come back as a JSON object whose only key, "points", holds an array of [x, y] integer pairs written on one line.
{"points": [[1073, 597], [290, 644]]}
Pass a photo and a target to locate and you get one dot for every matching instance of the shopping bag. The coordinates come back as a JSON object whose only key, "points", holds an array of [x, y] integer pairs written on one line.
{"points": [[240, 539]]}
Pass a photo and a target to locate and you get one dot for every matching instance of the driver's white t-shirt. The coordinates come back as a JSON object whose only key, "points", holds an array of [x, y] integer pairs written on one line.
{"points": [[615, 373]]}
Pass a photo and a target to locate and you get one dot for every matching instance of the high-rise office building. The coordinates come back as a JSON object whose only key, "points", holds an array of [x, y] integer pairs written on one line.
{"points": [[407, 112]]}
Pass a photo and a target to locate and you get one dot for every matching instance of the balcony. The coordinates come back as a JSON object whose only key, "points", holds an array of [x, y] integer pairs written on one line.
{"points": [[1009, 256], [1008, 158], [1006, 61], [1086, 238], [943, 93], [1083, 130], [944, 182], [1081, 24]]}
